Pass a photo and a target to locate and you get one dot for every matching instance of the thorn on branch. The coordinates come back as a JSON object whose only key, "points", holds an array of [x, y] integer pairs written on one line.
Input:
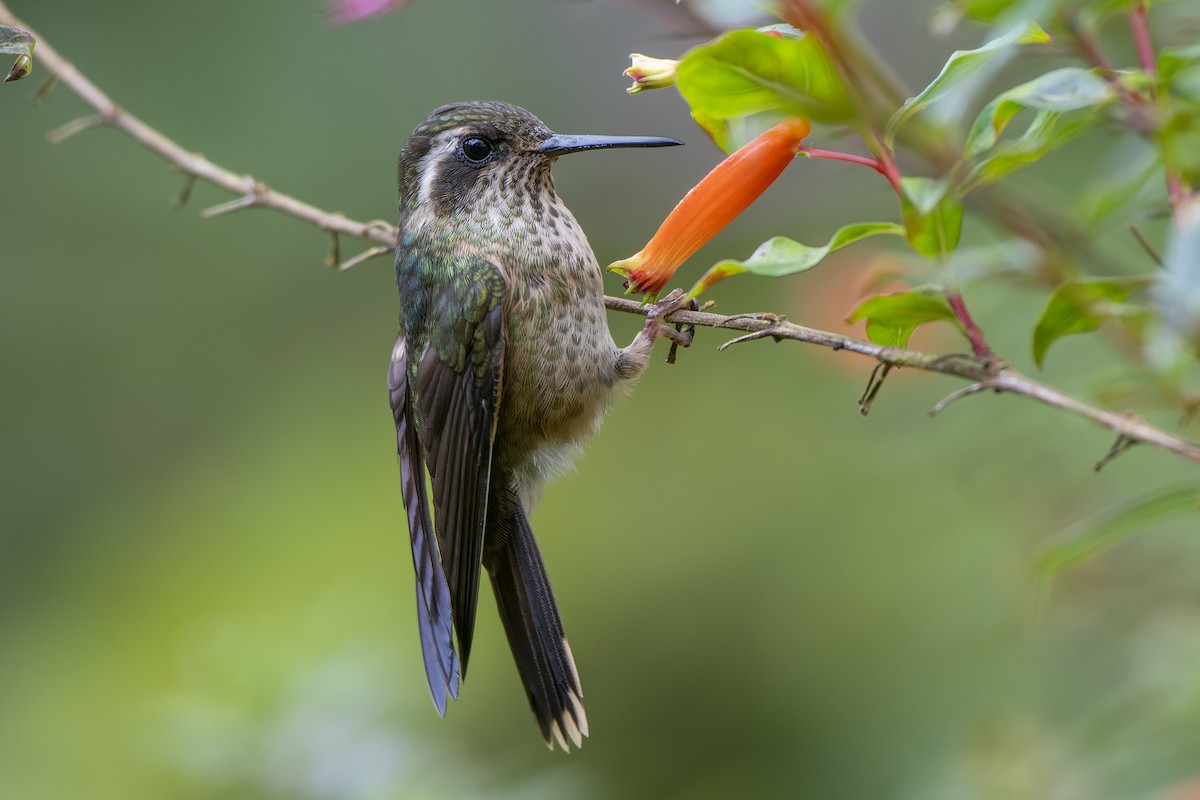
{"points": [[874, 384], [77, 126], [250, 200], [1122, 444], [44, 90], [763, 334], [334, 256], [974, 388], [1145, 243], [365, 255], [185, 191]]}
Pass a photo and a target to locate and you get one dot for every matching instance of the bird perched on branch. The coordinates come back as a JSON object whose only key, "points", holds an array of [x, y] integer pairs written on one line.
{"points": [[504, 365]]}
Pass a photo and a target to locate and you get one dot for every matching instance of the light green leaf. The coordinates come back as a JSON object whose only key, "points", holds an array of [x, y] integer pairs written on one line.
{"points": [[1057, 92], [16, 42], [892, 318], [1082, 306], [1180, 138], [1090, 537], [745, 72], [783, 256], [1174, 59], [961, 66], [1047, 131], [932, 216]]}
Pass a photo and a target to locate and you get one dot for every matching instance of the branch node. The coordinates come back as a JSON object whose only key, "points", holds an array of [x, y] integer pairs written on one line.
{"points": [[874, 383], [761, 316], [365, 255], [1122, 444]]}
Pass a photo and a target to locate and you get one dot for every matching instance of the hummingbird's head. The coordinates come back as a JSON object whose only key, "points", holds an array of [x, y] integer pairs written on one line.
{"points": [[470, 158]]}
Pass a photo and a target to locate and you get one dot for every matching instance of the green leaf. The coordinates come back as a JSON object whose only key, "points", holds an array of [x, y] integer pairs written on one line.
{"points": [[1056, 92], [745, 72], [977, 10], [1048, 130], [1090, 537], [1082, 306], [932, 216], [1172, 60], [1180, 138], [961, 66], [14, 41], [782, 256], [892, 318]]}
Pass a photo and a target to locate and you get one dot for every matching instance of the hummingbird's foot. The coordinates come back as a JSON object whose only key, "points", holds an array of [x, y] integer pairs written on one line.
{"points": [[633, 359], [665, 308], [680, 335]]}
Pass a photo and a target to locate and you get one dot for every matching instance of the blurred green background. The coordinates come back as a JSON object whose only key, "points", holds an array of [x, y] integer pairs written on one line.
{"points": [[205, 584]]}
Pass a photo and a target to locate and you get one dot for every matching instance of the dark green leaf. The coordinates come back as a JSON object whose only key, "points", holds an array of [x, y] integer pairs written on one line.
{"points": [[1090, 537], [783, 256], [1082, 306], [892, 318], [932, 216], [746, 72], [962, 65]]}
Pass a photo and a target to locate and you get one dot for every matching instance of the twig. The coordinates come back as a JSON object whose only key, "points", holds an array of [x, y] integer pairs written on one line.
{"points": [[365, 255], [1145, 243], [110, 114], [984, 373]]}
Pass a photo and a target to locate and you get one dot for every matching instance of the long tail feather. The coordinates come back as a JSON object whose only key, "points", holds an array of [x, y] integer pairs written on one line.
{"points": [[433, 592], [534, 628]]}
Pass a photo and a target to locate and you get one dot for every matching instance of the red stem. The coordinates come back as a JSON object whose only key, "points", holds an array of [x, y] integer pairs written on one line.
{"points": [[836, 155], [1141, 36], [974, 334]]}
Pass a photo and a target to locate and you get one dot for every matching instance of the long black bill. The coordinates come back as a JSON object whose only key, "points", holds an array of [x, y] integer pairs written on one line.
{"points": [[561, 145]]}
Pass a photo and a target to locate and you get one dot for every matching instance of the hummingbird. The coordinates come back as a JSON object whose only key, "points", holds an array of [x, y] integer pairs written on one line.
{"points": [[503, 367]]}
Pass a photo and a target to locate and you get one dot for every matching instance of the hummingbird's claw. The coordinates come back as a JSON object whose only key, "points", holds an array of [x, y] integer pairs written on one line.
{"points": [[680, 335]]}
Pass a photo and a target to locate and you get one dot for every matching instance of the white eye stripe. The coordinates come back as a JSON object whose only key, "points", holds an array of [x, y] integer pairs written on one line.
{"points": [[430, 168]]}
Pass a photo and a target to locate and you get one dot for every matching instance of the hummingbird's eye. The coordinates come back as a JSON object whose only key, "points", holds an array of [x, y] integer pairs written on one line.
{"points": [[476, 150]]}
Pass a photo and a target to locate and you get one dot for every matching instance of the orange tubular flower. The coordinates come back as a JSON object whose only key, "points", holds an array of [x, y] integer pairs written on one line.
{"points": [[712, 204]]}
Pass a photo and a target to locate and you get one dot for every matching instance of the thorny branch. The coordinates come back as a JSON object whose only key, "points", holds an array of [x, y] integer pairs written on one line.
{"points": [[984, 374]]}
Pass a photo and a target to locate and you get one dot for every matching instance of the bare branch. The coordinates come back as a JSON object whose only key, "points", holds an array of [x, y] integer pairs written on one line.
{"points": [[984, 373], [109, 113]]}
